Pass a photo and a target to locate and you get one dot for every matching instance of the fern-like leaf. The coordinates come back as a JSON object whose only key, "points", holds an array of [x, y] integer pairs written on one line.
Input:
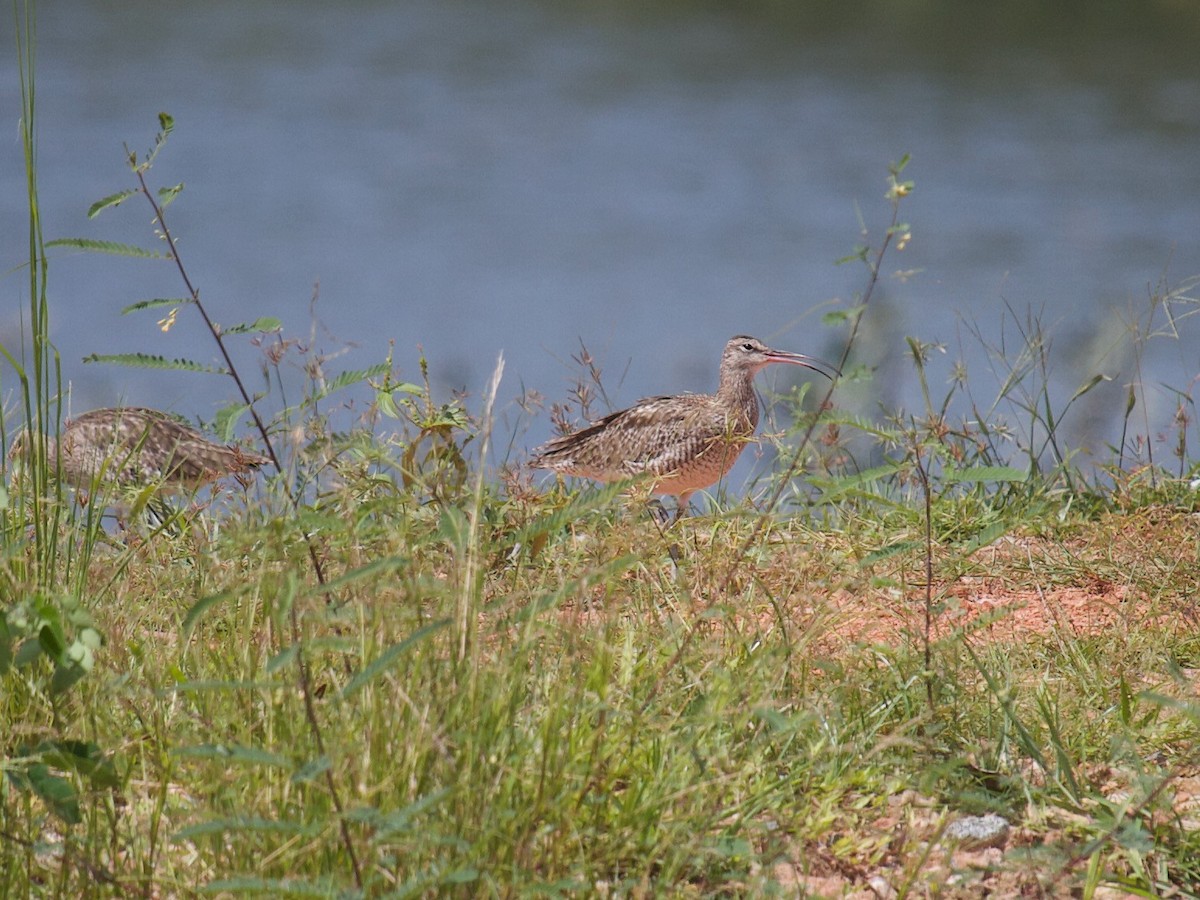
{"points": [[148, 361], [113, 247], [167, 194], [265, 324], [111, 200], [353, 376], [156, 303]]}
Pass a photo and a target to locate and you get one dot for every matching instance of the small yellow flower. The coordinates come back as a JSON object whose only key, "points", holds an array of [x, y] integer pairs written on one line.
{"points": [[903, 240], [169, 321]]}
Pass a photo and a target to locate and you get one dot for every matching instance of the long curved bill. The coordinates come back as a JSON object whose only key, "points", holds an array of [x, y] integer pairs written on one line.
{"points": [[809, 362]]}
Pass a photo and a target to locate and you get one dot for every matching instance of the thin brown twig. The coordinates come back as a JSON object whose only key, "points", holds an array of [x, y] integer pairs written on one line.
{"points": [[304, 675], [194, 295]]}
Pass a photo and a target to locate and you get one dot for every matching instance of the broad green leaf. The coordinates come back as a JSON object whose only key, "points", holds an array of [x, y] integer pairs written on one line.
{"points": [[156, 304], [57, 792], [113, 247], [112, 200], [148, 361], [83, 757]]}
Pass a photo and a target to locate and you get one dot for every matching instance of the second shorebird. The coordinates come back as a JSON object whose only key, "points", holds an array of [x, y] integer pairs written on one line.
{"points": [[133, 448], [683, 443]]}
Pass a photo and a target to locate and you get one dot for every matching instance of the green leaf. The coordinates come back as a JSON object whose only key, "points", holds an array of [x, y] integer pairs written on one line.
{"points": [[271, 887], [387, 825], [576, 587], [227, 419], [1087, 386], [167, 194], [221, 684], [889, 551], [311, 770], [6, 645], [113, 247], [148, 361], [265, 324], [371, 570], [236, 824], [846, 484], [156, 304], [251, 756], [283, 658], [985, 473], [82, 757], [353, 376], [27, 652], [57, 792], [985, 537], [200, 607], [385, 659], [112, 200]]}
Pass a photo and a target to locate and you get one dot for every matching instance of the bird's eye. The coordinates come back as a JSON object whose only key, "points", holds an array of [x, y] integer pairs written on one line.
{"points": [[747, 346]]}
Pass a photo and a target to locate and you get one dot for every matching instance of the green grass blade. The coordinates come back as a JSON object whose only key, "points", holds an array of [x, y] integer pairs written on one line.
{"points": [[385, 659]]}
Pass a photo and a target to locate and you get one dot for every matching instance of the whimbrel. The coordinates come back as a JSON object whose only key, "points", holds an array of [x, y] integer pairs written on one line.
{"points": [[682, 443], [132, 447]]}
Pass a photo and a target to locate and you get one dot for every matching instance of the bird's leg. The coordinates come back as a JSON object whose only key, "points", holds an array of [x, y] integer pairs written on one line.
{"points": [[658, 512], [681, 509]]}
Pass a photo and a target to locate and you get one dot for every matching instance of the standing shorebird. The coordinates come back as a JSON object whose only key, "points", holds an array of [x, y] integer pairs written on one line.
{"points": [[132, 448], [682, 443]]}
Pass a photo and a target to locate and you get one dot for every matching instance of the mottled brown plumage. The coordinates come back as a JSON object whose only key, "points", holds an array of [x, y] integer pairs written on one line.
{"points": [[682, 443], [131, 447]]}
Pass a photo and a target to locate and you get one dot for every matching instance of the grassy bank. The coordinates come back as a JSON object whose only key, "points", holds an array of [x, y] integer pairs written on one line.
{"points": [[593, 718]]}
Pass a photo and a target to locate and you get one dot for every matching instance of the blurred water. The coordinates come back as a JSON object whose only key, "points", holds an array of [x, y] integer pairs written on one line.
{"points": [[520, 176]]}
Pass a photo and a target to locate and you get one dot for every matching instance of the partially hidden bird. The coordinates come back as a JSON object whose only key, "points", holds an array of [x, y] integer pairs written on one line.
{"points": [[133, 447], [682, 443]]}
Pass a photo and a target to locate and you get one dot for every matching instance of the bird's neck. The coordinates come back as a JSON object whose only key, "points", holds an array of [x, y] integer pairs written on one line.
{"points": [[736, 394]]}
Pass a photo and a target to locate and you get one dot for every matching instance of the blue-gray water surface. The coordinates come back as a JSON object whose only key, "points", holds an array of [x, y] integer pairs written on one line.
{"points": [[518, 177]]}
